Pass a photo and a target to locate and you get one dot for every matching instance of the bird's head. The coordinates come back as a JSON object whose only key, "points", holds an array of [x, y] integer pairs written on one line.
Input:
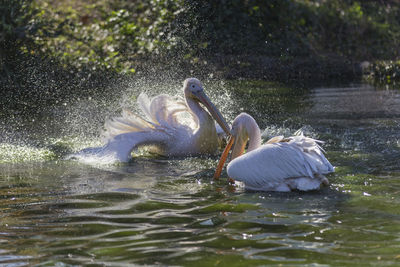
{"points": [[243, 127], [193, 89]]}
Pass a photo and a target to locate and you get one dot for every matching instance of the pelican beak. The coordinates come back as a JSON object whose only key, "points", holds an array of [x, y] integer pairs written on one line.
{"points": [[203, 98], [224, 156]]}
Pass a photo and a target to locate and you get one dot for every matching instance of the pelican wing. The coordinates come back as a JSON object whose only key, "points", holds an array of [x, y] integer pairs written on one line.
{"points": [[144, 103], [270, 165], [275, 139], [161, 114], [313, 152], [128, 122], [120, 147]]}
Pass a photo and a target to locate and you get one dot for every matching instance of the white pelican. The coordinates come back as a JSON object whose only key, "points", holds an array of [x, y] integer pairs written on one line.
{"points": [[163, 129], [282, 164]]}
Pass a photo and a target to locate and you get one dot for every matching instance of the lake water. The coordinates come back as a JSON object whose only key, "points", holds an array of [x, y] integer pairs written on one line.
{"points": [[158, 211]]}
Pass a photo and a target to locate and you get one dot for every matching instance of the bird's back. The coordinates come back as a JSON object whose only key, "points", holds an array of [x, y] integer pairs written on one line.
{"points": [[274, 165]]}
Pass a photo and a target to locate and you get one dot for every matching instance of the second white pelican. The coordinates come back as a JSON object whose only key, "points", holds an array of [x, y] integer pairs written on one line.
{"points": [[282, 164], [165, 129]]}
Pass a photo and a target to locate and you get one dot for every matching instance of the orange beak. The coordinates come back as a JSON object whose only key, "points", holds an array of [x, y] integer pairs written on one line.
{"points": [[224, 156]]}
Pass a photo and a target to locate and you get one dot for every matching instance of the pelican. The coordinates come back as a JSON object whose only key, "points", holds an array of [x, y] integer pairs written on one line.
{"points": [[165, 129], [282, 164]]}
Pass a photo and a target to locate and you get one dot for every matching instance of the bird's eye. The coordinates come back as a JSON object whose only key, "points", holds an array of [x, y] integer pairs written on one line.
{"points": [[193, 86]]}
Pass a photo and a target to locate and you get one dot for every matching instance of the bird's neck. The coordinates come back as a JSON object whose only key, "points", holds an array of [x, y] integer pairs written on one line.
{"points": [[200, 114], [205, 136], [254, 137]]}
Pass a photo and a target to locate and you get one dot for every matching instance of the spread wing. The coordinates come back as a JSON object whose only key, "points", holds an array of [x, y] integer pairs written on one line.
{"points": [[164, 118], [163, 113]]}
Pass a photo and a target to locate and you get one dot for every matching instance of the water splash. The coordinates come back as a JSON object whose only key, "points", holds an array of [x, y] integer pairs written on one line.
{"points": [[273, 130], [10, 153], [127, 100]]}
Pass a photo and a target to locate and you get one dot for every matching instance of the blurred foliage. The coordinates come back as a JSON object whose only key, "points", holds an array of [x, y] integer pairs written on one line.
{"points": [[17, 30], [117, 35], [356, 30], [106, 34], [30, 76], [385, 72]]}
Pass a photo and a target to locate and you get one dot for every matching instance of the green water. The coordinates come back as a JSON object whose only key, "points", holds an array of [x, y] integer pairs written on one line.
{"points": [[156, 211]]}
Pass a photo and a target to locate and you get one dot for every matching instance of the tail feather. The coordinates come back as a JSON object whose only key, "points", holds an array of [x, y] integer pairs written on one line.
{"points": [[313, 152]]}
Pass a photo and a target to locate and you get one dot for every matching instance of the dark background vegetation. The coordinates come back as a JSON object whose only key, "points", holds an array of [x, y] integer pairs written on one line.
{"points": [[56, 49]]}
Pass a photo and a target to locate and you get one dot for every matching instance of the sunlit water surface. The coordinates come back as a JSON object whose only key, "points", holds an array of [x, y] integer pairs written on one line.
{"points": [[157, 211]]}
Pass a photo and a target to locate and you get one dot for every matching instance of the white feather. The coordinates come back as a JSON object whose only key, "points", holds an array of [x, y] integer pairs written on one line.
{"points": [[170, 125], [296, 162]]}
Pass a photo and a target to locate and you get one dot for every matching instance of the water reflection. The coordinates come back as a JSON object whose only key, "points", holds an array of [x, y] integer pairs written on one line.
{"points": [[356, 102]]}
